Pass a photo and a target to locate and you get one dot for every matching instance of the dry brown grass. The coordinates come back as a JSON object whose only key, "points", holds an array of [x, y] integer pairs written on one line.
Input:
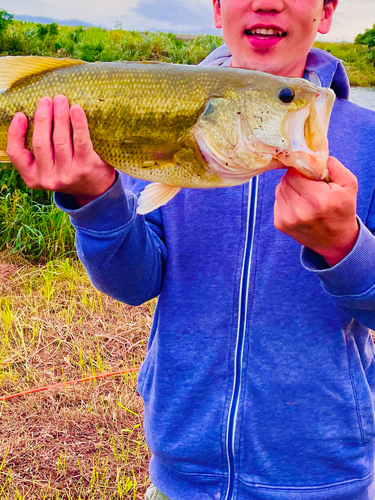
{"points": [[81, 441]]}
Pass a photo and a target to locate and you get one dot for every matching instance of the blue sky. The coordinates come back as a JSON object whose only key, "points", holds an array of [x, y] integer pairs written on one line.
{"points": [[352, 16]]}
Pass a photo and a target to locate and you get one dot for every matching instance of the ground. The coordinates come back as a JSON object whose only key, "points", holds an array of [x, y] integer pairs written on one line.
{"points": [[82, 441]]}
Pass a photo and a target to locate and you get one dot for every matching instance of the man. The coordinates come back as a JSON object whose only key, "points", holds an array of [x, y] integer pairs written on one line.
{"points": [[260, 368]]}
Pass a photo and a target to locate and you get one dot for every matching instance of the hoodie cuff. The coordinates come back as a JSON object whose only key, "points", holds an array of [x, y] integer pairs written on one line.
{"points": [[354, 274], [112, 210]]}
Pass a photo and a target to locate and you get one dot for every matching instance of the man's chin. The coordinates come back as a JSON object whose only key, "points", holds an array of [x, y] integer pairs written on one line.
{"points": [[273, 66], [274, 69]]}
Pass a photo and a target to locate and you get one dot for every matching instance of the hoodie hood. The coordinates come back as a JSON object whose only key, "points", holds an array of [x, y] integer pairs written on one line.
{"points": [[321, 68]]}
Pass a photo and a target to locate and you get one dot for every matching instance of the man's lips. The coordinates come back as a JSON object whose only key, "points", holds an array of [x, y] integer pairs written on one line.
{"points": [[263, 37]]}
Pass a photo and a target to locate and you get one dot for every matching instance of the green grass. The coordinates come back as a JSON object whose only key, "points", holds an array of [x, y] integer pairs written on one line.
{"points": [[29, 221], [358, 61], [96, 44]]}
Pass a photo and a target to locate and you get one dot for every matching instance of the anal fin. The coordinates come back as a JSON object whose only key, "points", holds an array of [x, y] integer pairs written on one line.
{"points": [[154, 196], [4, 158]]}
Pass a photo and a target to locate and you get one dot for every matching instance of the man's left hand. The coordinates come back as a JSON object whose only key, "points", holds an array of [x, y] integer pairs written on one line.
{"points": [[318, 215]]}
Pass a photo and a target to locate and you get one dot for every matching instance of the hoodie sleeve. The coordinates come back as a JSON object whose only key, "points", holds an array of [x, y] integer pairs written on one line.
{"points": [[123, 253], [351, 282]]}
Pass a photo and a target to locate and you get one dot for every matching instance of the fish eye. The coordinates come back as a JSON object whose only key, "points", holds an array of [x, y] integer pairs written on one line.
{"points": [[286, 95]]}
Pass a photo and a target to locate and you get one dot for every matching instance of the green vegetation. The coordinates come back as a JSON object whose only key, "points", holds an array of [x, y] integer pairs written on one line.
{"points": [[367, 38], [96, 44], [358, 61], [5, 20], [29, 221]]}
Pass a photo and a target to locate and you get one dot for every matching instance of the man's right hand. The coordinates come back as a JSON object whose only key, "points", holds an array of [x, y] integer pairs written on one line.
{"points": [[64, 159]]}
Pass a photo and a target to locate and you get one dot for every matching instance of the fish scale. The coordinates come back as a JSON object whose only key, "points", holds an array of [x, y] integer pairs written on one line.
{"points": [[182, 126]]}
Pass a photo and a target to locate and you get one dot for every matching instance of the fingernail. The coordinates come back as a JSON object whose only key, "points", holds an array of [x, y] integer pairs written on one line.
{"points": [[75, 112], [59, 102], [44, 104], [19, 119]]}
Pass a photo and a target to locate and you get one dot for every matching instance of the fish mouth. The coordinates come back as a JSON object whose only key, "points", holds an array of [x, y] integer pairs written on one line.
{"points": [[306, 129], [303, 142]]}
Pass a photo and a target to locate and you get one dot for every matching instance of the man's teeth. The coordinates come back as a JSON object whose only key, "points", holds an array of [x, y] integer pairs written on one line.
{"points": [[267, 32]]}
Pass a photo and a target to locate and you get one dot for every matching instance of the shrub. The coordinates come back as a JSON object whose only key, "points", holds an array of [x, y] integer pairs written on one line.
{"points": [[5, 19], [53, 29], [42, 30], [367, 38]]}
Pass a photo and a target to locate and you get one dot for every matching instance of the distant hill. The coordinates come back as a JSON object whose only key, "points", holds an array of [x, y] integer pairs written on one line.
{"points": [[49, 20]]}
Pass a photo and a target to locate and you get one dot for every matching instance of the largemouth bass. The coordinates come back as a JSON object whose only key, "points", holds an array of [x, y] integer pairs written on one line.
{"points": [[177, 125]]}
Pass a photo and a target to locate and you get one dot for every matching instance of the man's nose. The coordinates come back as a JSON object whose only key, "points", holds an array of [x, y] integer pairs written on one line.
{"points": [[268, 6]]}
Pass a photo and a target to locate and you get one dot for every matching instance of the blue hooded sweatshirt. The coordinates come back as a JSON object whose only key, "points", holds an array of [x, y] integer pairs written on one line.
{"points": [[260, 373]]}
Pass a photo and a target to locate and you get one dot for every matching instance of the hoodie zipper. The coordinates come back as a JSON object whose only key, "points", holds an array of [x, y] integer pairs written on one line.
{"points": [[241, 330]]}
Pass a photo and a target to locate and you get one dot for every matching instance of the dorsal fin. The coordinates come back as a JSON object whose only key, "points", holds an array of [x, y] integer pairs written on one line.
{"points": [[15, 68]]}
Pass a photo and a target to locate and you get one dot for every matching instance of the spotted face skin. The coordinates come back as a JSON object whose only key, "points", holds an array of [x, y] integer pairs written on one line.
{"points": [[148, 119]]}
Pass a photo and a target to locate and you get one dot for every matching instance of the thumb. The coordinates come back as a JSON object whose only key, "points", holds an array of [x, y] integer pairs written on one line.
{"points": [[341, 175]]}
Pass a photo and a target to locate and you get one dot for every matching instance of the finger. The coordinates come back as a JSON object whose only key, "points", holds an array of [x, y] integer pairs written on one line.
{"points": [[301, 208], [281, 210], [16, 150], [279, 195], [42, 137], [290, 194], [305, 187], [82, 144], [62, 141], [341, 175]]}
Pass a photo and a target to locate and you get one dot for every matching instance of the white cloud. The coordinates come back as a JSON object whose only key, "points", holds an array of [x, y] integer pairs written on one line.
{"points": [[351, 17]]}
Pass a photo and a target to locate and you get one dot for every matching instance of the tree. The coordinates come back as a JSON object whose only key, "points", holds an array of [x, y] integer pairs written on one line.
{"points": [[53, 29], [367, 38], [42, 30], [5, 19]]}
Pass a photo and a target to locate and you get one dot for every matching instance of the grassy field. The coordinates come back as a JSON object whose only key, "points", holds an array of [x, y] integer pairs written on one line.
{"points": [[96, 44], [83, 441], [358, 61]]}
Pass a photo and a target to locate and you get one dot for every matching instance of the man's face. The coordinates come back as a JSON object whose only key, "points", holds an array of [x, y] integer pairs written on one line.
{"points": [[291, 29]]}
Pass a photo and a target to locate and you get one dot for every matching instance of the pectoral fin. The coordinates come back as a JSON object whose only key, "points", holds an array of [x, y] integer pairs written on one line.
{"points": [[154, 196]]}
